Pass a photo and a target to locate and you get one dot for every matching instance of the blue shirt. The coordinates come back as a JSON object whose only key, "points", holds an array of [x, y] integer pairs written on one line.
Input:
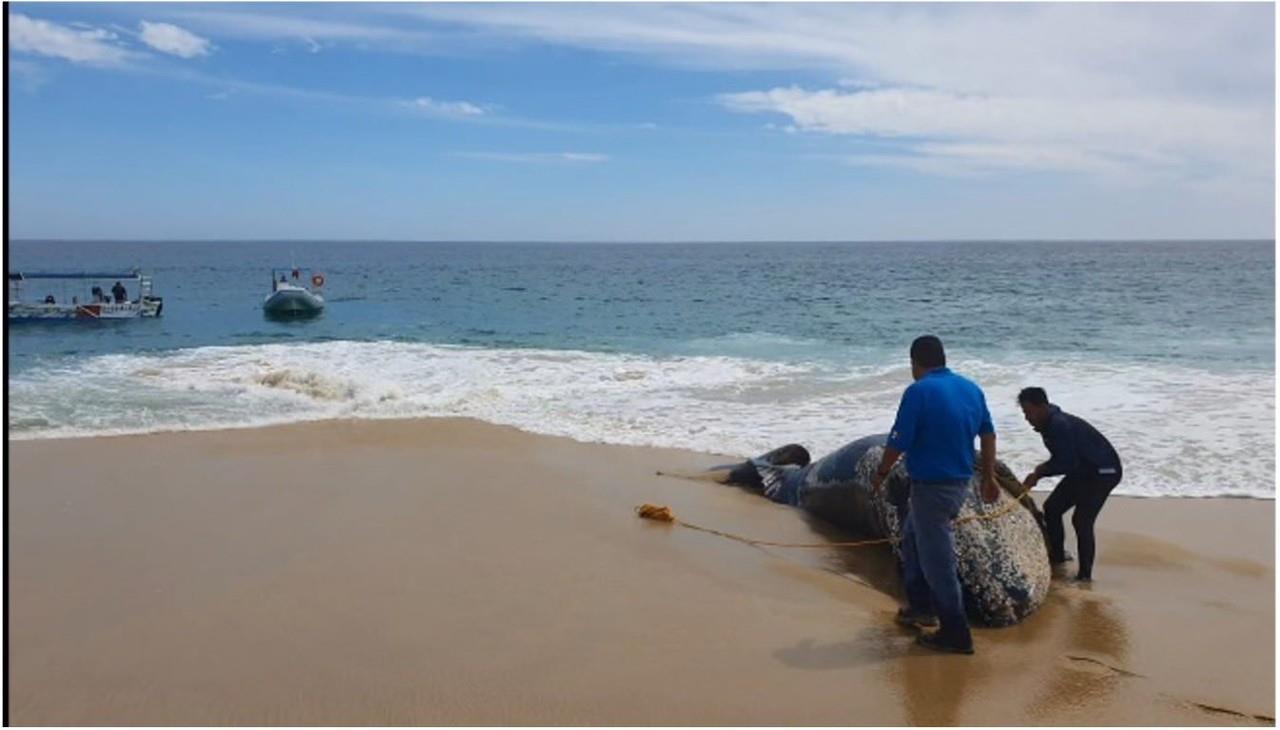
{"points": [[939, 417]]}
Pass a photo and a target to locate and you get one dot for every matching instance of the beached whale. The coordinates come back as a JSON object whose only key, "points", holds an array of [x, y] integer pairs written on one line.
{"points": [[1003, 562]]}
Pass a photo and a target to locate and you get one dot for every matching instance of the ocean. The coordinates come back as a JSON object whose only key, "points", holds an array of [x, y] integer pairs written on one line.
{"points": [[733, 348]]}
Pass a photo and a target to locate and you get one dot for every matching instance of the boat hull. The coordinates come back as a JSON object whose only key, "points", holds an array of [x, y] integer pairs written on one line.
{"points": [[293, 303], [23, 311]]}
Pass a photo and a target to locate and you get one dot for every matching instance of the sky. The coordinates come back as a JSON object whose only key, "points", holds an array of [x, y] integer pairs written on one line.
{"points": [[641, 122]]}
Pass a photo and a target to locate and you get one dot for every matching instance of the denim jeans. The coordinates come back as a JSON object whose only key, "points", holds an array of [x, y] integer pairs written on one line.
{"points": [[929, 554]]}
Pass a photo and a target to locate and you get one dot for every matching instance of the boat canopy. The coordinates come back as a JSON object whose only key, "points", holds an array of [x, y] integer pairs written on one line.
{"points": [[135, 274]]}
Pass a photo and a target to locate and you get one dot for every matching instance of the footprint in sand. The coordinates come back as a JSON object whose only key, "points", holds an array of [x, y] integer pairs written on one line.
{"points": [[1212, 709], [1095, 665]]}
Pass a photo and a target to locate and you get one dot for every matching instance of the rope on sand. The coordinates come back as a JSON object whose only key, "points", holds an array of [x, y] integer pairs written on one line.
{"points": [[663, 513]]}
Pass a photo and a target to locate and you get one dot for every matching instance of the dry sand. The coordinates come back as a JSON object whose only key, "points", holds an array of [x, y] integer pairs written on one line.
{"points": [[453, 572]]}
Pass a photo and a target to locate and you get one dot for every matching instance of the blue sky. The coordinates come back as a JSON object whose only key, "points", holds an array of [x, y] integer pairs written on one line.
{"points": [[617, 122]]}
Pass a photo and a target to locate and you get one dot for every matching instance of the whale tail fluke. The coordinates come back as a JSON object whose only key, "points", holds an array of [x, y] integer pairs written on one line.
{"points": [[764, 470], [792, 454]]}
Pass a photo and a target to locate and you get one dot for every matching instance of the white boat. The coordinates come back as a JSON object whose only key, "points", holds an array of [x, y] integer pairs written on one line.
{"points": [[291, 296], [57, 296]]}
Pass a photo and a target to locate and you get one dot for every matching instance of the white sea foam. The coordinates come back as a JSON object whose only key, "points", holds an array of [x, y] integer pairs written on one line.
{"points": [[1180, 431]]}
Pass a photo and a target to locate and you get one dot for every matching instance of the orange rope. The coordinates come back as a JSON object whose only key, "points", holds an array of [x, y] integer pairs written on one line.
{"points": [[663, 513]]}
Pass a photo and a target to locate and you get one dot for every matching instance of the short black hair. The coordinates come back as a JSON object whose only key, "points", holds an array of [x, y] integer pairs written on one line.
{"points": [[1033, 396], [927, 352]]}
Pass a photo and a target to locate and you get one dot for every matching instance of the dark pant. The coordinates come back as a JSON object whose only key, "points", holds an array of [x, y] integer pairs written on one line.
{"points": [[1087, 494], [929, 555]]}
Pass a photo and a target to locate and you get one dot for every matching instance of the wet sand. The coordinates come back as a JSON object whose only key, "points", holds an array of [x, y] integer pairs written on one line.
{"points": [[454, 572]]}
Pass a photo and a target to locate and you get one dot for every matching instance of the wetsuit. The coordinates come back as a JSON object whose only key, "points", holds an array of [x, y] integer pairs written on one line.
{"points": [[1091, 469]]}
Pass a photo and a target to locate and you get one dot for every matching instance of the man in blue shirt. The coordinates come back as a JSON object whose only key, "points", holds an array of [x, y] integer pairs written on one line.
{"points": [[940, 415], [1090, 467]]}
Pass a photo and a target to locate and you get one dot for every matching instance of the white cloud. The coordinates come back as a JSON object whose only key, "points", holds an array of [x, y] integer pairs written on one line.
{"points": [[435, 107], [173, 40], [1114, 90], [536, 157], [334, 25], [1087, 49], [91, 46], [426, 107], [1106, 136], [1096, 89], [969, 48], [982, 160]]}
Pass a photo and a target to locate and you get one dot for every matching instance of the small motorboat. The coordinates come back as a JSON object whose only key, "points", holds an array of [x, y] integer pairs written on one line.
{"points": [[295, 292]]}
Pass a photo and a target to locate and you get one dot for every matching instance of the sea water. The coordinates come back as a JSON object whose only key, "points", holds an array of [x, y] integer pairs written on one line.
{"points": [[734, 348]]}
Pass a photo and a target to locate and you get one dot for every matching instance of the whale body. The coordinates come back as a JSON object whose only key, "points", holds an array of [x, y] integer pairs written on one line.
{"points": [[1002, 561]]}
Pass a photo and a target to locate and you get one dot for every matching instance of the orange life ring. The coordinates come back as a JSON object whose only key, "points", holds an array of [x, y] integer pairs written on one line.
{"points": [[317, 280]]}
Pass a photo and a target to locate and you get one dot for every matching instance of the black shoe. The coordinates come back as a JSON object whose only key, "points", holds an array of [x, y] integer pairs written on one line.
{"points": [[937, 642], [1066, 557], [1083, 578], [915, 620]]}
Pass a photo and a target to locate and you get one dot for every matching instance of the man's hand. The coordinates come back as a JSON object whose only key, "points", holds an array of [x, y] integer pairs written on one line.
{"points": [[1030, 481], [887, 460], [990, 491]]}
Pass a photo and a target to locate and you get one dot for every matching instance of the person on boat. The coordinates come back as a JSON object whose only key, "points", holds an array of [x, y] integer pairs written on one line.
{"points": [[1090, 469], [98, 296], [119, 292], [940, 415], [48, 299]]}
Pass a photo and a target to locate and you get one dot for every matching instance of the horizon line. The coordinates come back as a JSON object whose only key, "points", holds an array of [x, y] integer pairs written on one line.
{"points": [[641, 241]]}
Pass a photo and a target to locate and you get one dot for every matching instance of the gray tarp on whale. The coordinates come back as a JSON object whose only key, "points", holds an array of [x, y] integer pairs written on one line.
{"points": [[1003, 563]]}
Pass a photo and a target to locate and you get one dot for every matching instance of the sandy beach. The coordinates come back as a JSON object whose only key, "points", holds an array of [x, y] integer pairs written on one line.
{"points": [[454, 572]]}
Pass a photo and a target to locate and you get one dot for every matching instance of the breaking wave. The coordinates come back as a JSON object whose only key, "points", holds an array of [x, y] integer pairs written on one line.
{"points": [[1181, 431]]}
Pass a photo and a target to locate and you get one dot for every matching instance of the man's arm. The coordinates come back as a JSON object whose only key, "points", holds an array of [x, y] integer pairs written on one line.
{"points": [[987, 441], [902, 435], [1062, 454], [990, 491], [1062, 451], [887, 461]]}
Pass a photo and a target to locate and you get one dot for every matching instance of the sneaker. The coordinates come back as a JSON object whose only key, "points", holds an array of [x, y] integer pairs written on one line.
{"points": [[915, 620], [936, 642]]}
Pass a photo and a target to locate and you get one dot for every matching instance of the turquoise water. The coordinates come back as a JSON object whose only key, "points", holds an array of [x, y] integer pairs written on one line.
{"points": [[734, 347]]}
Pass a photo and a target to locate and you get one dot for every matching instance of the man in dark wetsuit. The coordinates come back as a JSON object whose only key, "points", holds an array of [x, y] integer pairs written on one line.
{"points": [[118, 291], [1090, 468]]}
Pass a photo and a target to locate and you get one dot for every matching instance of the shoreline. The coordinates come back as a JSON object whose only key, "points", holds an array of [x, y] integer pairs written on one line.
{"points": [[409, 421], [450, 571]]}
